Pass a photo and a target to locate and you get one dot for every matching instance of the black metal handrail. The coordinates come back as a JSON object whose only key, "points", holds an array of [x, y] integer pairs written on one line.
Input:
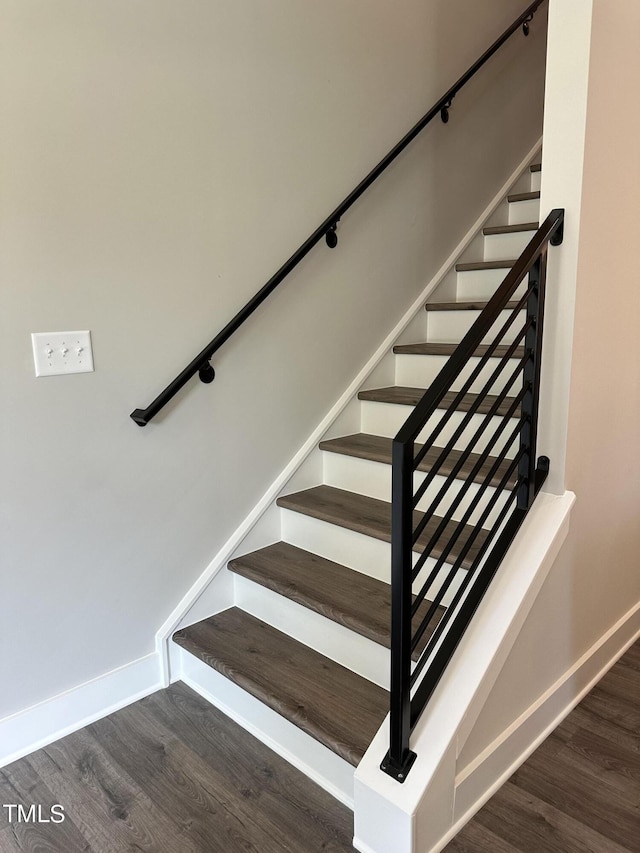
{"points": [[480, 513], [201, 363]]}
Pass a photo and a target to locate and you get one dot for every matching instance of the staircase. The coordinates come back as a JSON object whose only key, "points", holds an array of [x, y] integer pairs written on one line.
{"points": [[301, 658]]}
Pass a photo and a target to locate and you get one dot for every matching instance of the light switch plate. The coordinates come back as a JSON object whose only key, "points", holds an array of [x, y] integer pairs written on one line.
{"points": [[62, 352]]}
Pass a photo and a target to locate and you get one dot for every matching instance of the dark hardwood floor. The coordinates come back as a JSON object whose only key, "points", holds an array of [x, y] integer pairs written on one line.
{"points": [[580, 790], [171, 774]]}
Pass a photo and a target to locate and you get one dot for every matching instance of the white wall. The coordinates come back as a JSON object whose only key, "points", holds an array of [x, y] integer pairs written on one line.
{"points": [[158, 161], [594, 586]]}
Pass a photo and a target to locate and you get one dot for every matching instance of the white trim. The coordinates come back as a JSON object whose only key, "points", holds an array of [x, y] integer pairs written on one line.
{"points": [[423, 806], [220, 560], [46, 722], [362, 847], [535, 724]]}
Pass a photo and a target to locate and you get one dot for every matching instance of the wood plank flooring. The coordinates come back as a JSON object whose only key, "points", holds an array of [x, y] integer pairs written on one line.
{"points": [[469, 305], [580, 791], [511, 229], [403, 395], [530, 196], [485, 265], [435, 348], [170, 774]]}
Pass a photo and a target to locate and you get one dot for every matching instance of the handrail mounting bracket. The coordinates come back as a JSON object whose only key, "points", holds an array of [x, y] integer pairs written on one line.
{"points": [[206, 373]]}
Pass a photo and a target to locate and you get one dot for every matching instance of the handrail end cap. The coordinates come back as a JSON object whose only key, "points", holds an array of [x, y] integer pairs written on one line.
{"points": [[139, 416]]}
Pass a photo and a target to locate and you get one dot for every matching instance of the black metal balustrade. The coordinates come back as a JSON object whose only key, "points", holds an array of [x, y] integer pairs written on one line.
{"points": [[483, 512], [201, 364]]}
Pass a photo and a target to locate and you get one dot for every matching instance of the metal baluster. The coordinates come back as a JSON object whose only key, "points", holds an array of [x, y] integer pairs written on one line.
{"points": [[399, 759], [533, 345]]}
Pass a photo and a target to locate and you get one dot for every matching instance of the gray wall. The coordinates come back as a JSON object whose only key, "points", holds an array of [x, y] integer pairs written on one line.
{"points": [[158, 161]]}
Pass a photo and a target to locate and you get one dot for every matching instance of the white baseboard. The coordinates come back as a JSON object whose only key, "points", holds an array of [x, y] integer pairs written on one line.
{"points": [[362, 847], [46, 722], [484, 776], [166, 630]]}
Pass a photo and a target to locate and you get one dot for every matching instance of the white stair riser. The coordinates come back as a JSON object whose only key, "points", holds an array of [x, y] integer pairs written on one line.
{"points": [[346, 647], [419, 371], [322, 765], [524, 211], [445, 326], [359, 552], [374, 480], [386, 419], [369, 659], [499, 246], [482, 284], [536, 182]]}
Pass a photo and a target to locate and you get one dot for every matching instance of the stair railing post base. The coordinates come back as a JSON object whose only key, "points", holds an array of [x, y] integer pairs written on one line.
{"points": [[398, 771]]}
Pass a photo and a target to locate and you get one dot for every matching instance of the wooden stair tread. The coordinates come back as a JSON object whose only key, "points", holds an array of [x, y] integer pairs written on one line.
{"points": [[350, 598], [372, 517], [404, 396], [335, 706], [449, 348], [511, 229], [464, 306], [377, 448], [532, 196], [485, 265]]}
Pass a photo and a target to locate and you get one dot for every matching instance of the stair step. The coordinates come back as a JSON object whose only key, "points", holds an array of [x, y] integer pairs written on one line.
{"points": [[464, 306], [448, 349], [485, 265], [377, 448], [537, 167], [356, 601], [335, 706], [532, 196], [372, 517], [401, 395], [510, 229]]}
